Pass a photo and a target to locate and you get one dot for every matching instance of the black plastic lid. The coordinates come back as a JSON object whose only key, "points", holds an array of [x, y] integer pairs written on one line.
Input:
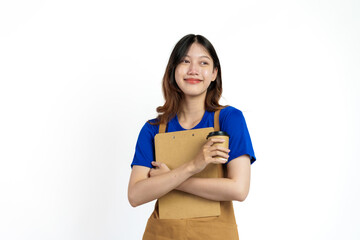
{"points": [[217, 133]]}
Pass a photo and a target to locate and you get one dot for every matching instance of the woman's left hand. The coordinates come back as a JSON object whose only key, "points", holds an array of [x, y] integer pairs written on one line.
{"points": [[160, 168]]}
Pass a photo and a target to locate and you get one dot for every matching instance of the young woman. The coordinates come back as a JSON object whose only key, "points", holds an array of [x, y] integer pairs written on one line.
{"points": [[192, 87]]}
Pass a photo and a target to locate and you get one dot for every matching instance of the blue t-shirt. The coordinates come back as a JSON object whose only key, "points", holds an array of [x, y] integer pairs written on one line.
{"points": [[231, 121]]}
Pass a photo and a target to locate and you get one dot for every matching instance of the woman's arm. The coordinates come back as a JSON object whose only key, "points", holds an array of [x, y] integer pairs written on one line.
{"points": [[148, 184], [143, 189], [234, 187]]}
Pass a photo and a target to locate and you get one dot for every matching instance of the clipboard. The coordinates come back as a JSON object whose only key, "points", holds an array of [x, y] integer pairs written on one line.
{"points": [[174, 149]]}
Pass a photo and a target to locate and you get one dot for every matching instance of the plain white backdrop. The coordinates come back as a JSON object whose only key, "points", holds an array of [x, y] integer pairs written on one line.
{"points": [[80, 78]]}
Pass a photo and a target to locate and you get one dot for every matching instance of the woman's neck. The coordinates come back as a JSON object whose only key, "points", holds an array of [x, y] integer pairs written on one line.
{"points": [[192, 111]]}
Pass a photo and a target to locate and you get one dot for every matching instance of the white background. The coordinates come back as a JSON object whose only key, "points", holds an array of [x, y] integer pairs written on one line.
{"points": [[80, 78]]}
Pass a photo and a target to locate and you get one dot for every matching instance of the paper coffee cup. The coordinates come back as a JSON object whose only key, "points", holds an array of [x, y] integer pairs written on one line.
{"points": [[222, 135]]}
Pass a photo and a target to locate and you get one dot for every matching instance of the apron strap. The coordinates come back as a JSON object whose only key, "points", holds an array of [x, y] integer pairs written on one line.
{"points": [[162, 127], [216, 120], [217, 128]]}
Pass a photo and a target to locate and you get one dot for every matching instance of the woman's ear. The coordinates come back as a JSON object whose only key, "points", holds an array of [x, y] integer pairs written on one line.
{"points": [[214, 74]]}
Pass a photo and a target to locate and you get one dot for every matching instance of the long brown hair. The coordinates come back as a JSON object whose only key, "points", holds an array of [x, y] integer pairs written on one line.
{"points": [[172, 93]]}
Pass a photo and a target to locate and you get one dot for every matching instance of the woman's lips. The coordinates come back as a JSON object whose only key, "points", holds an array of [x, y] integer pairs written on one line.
{"points": [[192, 80]]}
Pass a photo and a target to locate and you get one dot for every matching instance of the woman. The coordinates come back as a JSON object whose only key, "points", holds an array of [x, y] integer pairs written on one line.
{"points": [[192, 87]]}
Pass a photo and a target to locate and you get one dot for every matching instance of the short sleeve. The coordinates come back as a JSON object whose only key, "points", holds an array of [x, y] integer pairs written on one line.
{"points": [[144, 150], [233, 122]]}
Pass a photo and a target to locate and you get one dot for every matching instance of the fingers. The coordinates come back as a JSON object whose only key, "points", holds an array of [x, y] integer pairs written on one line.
{"points": [[211, 141], [157, 164], [220, 160], [217, 153], [159, 169], [217, 150]]}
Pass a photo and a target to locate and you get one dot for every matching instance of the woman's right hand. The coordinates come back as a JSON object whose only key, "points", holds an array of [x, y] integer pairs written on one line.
{"points": [[211, 153]]}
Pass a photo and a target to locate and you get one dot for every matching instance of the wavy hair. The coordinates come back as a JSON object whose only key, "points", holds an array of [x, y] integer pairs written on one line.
{"points": [[172, 93]]}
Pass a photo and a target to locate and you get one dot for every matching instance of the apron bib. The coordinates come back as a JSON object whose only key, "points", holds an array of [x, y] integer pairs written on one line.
{"points": [[208, 228]]}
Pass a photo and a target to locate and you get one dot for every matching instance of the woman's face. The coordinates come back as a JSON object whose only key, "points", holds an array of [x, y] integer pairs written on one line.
{"points": [[195, 72]]}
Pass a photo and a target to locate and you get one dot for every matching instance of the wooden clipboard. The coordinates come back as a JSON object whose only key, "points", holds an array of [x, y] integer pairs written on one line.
{"points": [[174, 149]]}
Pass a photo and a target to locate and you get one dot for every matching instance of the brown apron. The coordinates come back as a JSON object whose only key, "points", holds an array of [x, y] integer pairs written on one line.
{"points": [[209, 228]]}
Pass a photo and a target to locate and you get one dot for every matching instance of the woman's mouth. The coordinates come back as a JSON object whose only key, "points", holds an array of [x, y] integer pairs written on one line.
{"points": [[192, 80]]}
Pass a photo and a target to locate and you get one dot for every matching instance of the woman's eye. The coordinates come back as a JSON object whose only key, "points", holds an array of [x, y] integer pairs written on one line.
{"points": [[186, 61], [204, 63]]}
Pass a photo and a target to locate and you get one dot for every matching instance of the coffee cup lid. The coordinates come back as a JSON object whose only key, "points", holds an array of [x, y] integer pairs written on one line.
{"points": [[217, 133]]}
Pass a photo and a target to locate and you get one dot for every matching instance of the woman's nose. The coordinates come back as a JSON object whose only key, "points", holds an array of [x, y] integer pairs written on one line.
{"points": [[193, 69]]}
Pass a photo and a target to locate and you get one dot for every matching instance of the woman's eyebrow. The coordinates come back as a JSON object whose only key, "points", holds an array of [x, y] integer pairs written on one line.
{"points": [[204, 56]]}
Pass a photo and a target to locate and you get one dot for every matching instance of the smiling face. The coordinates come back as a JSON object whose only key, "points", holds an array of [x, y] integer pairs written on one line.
{"points": [[195, 72]]}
